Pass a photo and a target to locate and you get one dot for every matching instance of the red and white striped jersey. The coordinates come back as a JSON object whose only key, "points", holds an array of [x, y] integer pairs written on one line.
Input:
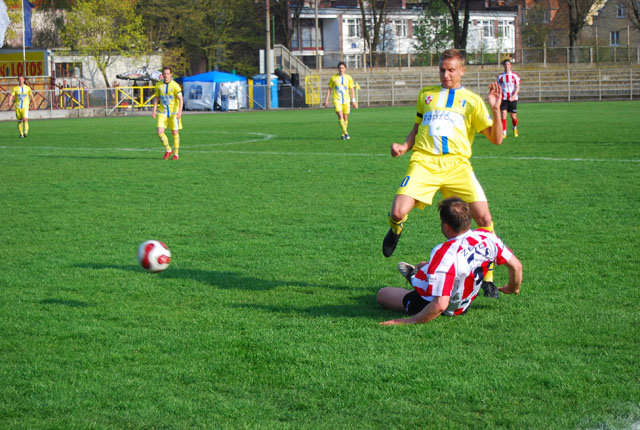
{"points": [[456, 268], [508, 82]]}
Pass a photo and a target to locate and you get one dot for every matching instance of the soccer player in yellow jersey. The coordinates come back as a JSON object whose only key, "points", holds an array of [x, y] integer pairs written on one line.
{"points": [[169, 95], [448, 117], [23, 98], [342, 91]]}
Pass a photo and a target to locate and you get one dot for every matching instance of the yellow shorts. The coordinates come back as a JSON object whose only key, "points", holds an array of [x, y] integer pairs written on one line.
{"points": [[22, 114], [340, 107], [451, 174], [172, 122]]}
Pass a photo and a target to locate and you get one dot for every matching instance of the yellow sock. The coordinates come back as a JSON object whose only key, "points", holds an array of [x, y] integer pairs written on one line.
{"points": [[176, 143], [346, 127], [165, 141], [489, 276], [26, 128], [397, 226], [20, 129], [343, 126]]}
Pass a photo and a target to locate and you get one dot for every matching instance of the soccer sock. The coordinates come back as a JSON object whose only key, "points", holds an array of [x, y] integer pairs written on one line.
{"points": [[176, 143], [488, 277], [397, 226], [25, 127], [514, 121], [343, 126], [346, 127], [165, 141], [20, 129], [504, 125]]}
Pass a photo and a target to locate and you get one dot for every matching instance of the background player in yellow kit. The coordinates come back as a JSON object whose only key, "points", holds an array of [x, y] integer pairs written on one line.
{"points": [[23, 98], [169, 95], [342, 91], [448, 117]]}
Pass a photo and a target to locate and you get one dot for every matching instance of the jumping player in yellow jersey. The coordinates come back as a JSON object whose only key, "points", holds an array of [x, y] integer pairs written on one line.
{"points": [[169, 94], [448, 117], [23, 98], [341, 89]]}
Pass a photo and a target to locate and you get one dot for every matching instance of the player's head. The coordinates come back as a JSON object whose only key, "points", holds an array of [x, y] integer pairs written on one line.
{"points": [[166, 74], [21, 79], [456, 214], [342, 67], [507, 65], [451, 68]]}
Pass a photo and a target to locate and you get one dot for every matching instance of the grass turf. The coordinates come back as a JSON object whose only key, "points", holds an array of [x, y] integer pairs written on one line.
{"points": [[267, 315]]}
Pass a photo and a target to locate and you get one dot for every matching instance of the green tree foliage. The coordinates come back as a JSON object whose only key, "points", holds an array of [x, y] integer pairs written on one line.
{"points": [[104, 29], [212, 34], [537, 28], [460, 29], [433, 32]]}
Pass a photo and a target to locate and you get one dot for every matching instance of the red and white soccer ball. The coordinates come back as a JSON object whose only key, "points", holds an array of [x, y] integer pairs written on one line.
{"points": [[154, 256]]}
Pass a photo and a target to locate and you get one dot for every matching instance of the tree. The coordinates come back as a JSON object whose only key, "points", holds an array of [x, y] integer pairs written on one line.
{"points": [[577, 14], [377, 11], [536, 29], [207, 34], [433, 31], [286, 27], [633, 12], [460, 32], [103, 30]]}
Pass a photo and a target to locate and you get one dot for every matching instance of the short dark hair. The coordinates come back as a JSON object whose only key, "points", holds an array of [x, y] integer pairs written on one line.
{"points": [[341, 63], [506, 60], [453, 53], [455, 213], [167, 68]]}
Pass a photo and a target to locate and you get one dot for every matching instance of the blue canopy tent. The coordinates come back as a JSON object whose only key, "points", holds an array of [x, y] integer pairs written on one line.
{"points": [[204, 91]]}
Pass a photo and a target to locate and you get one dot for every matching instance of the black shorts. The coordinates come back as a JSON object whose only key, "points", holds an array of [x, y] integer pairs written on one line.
{"points": [[509, 106], [413, 303]]}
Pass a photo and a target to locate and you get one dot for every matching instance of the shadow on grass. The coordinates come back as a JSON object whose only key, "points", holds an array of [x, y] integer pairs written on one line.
{"points": [[70, 303], [221, 279], [364, 306]]}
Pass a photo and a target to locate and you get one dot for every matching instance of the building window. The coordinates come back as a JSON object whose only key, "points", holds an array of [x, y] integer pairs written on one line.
{"points": [[505, 30], [353, 28], [487, 28], [546, 19], [621, 11], [68, 70], [615, 38], [400, 27], [353, 61]]}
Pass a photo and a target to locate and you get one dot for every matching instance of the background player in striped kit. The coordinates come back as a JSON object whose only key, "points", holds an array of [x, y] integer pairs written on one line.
{"points": [[510, 84], [22, 95], [451, 280], [342, 91], [448, 117]]}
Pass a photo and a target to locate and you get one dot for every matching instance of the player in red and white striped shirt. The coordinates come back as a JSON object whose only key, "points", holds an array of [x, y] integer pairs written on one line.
{"points": [[452, 278], [510, 84]]}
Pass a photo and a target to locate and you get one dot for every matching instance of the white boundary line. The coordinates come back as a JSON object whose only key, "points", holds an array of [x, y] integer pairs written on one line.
{"points": [[263, 137]]}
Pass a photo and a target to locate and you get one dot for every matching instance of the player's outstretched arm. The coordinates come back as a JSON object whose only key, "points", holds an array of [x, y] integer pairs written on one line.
{"points": [[326, 100], [430, 312], [515, 276], [494, 133], [398, 149]]}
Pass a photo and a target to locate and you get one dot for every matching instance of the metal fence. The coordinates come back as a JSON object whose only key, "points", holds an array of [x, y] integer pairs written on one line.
{"points": [[542, 56], [374, 89]]}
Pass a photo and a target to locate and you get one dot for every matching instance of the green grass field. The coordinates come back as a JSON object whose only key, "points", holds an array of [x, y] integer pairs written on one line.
{"points": [[267, 316]]}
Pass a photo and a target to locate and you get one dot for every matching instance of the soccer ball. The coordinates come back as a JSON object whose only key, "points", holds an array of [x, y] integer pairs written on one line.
{"points": [[154, 256]]}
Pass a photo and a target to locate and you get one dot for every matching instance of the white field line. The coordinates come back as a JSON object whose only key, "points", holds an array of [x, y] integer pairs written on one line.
{"points": [[263, 137]]}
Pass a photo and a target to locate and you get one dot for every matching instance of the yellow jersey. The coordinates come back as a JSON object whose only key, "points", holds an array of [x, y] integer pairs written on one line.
{"points": [[341, 86], [167, 95], [449, 120], [22, 95]]}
